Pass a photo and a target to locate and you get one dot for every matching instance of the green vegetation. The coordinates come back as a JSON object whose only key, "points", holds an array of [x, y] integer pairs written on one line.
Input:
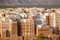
{"points": [[40, 37], [29, 6]]}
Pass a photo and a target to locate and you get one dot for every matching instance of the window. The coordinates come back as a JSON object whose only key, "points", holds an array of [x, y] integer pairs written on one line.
{"points": [[3, 15], [0, 35], [59, 37], [7, 33], [7, 39]]}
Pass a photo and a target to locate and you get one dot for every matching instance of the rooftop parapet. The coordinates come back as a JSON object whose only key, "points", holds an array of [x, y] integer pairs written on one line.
{"points": [[23, 20]]}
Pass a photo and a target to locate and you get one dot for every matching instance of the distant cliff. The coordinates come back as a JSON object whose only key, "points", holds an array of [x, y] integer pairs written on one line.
{"points": [[30, 2]]}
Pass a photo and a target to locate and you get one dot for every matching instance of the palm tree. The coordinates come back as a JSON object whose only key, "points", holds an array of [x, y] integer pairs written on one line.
{"points": [[40, 37]]}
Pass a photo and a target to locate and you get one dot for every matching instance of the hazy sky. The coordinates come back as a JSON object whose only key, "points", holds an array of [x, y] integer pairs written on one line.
{"points": [[29, 1]]}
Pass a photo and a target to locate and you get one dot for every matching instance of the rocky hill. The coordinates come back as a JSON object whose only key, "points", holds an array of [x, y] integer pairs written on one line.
{"points": [[30, 2]]}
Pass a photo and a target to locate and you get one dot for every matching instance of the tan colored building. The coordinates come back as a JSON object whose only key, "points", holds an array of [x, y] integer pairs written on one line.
{"points": [[43, 30], [27, 27], [13, 27], [8, 27], [46, 32]]}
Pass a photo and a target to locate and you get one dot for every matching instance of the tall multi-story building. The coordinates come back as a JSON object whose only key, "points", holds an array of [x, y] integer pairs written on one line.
{"points": [[27, 27], [13, 28], [22, 27], [58, 21], [8, 27], [51, 19], [5, 27], [28, 23]]}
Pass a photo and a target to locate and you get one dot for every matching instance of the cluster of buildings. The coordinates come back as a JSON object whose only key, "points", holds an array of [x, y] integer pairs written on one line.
{"points": [[28, 23]]}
